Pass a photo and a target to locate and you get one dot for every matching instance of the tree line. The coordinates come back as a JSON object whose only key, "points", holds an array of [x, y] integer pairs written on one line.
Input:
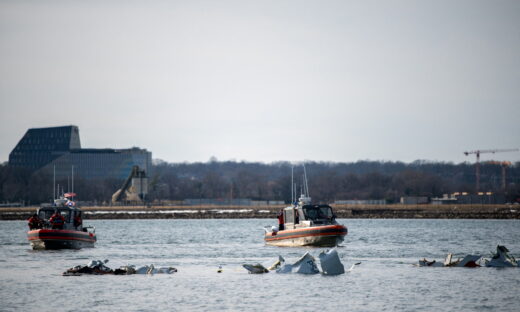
{"points": [[260, 181]]}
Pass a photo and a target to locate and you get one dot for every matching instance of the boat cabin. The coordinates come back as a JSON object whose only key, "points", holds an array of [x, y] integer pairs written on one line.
{"points": [[307, 215], [68, 213], [318, 214]]}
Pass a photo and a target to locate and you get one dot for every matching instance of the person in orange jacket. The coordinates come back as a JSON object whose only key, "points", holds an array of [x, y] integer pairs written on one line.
{"points": [[34, 222], [77, 221], [57, 221], [280, 221]]}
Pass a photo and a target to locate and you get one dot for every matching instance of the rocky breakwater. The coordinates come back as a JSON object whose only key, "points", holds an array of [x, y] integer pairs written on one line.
{"points": [[270, 212], [428, 211], [221, 212]]}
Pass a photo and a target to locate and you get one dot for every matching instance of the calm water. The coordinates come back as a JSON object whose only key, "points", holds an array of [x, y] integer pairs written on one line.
{"points": [[385, 281]]}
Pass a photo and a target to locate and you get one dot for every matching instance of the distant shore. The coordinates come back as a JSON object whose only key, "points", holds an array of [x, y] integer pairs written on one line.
{"points": [[270, 212]]}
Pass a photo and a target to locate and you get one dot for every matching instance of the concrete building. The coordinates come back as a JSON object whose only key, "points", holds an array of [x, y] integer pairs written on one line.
{"points": [[59, 149], [360, 202], [414, 200]]}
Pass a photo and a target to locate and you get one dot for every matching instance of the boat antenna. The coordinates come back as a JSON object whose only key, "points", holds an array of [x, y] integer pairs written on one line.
{"points": [[54, 185], [292, 185], [294, 191], [305, 179]]}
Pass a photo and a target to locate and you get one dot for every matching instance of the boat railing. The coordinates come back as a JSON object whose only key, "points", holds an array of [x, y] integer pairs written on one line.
{"points": [[90, 229]]}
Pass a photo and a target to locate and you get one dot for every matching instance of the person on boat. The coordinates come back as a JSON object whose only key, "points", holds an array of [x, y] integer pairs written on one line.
{"points": [[280, 221], [57, 221], [77, 221], [35, 222]]}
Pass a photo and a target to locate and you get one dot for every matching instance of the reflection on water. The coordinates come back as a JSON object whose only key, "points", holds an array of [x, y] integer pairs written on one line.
{"points": [[386, 279]]}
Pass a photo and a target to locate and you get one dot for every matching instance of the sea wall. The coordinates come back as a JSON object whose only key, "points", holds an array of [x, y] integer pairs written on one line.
{"points": [[270, 212]]}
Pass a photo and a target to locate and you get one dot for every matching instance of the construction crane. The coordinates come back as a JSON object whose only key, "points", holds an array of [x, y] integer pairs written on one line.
{"points": [[477, 164]]}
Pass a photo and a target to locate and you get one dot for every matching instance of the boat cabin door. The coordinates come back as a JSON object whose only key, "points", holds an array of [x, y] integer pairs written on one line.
{"points": [[291, 217]]}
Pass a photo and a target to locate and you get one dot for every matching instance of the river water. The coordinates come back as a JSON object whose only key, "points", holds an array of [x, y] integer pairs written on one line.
{"points": [[386, 280]]}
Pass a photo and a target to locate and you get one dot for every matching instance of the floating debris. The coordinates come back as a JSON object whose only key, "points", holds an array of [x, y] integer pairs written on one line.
{"points": [[469, 261], [353, 266], [305, 265], [98, 267], [501, 259], [330, 263], [256, 268]]}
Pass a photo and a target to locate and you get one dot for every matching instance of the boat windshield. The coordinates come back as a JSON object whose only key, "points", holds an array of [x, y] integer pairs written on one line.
{"points": [[45, 214], [318, 212]]}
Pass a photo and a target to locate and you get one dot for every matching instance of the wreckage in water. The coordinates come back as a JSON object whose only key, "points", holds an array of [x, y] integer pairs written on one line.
{"points": [[66, 233], [305, 224]]}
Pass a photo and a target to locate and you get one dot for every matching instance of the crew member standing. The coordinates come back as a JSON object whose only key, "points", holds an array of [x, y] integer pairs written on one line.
{"points": [[57, 221], [34, 222], [280, 221], [77, 221]]}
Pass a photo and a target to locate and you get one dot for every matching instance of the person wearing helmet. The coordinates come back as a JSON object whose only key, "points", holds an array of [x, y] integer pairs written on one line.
{"points": [[34, 222], [280, 221], [77, 221], [57, 221]]}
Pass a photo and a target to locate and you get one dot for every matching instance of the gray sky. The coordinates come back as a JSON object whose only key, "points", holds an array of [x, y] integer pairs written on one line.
{"points": [[266, 80]]}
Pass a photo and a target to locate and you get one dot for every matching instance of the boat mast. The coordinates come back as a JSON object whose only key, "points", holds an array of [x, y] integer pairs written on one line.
{"points": [[72, 183], [54, 185], [292, 185], [306, 189]]}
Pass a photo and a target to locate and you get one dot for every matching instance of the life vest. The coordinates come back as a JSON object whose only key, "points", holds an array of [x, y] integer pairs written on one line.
{"points": [[280, 218], [34, 222], [57, 219]]}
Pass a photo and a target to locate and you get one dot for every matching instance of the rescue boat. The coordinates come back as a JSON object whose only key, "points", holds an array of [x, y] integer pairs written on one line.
{"points": [[70, 236], [306, 224]]}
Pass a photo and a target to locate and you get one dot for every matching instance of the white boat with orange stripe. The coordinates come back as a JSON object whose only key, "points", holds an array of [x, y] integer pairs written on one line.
{"points": [[306, 224], [70, 234]]}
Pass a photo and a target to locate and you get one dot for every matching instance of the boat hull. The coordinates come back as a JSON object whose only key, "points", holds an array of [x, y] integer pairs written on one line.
{"points": [[319, 236], [60, 239]]}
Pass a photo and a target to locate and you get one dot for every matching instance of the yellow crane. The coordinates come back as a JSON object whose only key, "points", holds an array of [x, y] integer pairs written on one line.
{"points": [[477, 163]]}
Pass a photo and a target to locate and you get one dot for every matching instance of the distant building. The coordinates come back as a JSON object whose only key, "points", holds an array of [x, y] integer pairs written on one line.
{"points": [[414, 200], [444, 200], [59, 149], [217, 201], [360, 202], [487, 198], [481, 198]]}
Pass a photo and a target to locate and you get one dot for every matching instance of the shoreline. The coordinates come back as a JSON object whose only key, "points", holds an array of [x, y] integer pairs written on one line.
{"points": [[396, 211]]}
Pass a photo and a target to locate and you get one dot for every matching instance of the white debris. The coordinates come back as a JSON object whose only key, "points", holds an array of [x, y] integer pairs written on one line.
{"points": [[305, 265], [501, 259], [432, 263], [353, 266], [256, 268], [277, 264], [99, 265], [151, 269], [330, 263], [470, 261]]}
